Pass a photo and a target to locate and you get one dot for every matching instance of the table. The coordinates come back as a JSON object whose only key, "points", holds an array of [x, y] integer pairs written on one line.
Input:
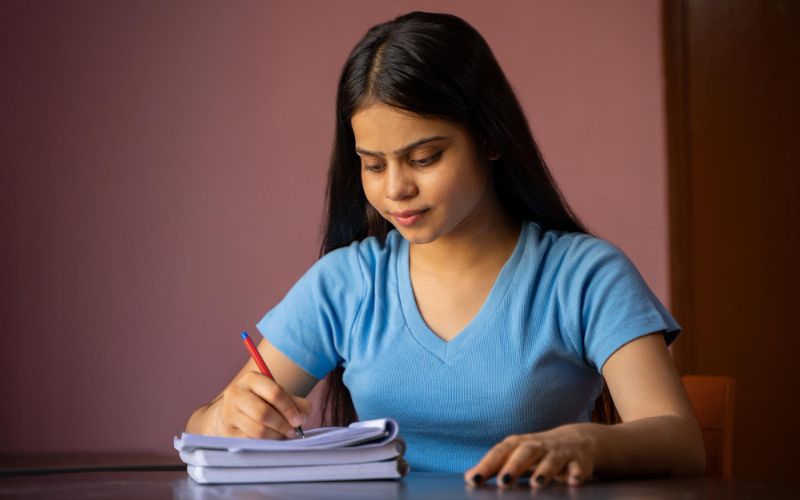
{"points": [[418, 485]]}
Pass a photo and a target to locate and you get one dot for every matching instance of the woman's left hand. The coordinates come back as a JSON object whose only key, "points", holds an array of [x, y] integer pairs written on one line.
{"points": [[565, 454]]}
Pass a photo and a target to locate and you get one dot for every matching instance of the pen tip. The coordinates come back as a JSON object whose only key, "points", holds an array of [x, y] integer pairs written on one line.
{"points": [[244, 335]]}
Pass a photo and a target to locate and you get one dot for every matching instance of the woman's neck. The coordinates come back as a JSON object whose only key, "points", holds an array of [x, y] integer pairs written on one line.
{"points": [[479, 244]]}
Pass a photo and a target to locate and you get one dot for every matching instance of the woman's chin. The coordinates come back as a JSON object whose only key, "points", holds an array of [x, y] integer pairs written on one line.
{"points": [[416, 236]]}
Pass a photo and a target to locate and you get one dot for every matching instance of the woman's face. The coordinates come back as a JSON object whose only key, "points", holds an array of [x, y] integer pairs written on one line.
{"points": [[423, 175]]}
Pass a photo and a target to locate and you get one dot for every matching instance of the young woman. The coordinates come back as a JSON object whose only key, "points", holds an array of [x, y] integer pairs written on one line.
{"points": [[458, 293]]}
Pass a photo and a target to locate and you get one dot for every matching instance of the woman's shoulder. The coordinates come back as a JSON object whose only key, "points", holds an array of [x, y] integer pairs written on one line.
{"points": [[364, 254], [572, 248], [566, 241]]}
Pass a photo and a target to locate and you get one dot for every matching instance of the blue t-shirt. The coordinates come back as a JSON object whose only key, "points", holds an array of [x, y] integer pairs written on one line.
{"points": [[529, 361]]}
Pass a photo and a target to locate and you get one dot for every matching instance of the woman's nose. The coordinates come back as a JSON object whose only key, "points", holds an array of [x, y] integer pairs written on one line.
{"points": [[399, 184]]}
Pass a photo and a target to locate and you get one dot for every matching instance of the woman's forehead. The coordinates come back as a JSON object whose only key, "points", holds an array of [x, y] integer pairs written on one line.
{"points": [[381, 127]]}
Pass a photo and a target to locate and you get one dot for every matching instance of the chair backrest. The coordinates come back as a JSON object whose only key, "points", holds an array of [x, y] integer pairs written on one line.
{"points": [[712, 398]]}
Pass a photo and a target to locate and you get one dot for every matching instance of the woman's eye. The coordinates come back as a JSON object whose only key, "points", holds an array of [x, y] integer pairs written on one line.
{"points": [[373, 168], [427, 161]]}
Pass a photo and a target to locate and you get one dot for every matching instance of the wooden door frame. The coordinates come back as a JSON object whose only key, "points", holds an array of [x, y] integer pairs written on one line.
{"points": [[678, 178]]}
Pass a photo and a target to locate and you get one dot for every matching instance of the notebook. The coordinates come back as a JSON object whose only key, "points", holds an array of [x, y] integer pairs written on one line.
{"points": [[387, 469], [374, 432], [371, 449], [248, 458]]}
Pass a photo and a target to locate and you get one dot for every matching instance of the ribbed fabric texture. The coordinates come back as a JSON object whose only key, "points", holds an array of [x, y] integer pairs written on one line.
{"points": [[529, 361]]}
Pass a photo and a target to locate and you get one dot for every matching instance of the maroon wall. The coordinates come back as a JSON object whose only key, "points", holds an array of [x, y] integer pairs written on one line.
{"points": [[163, 173]]}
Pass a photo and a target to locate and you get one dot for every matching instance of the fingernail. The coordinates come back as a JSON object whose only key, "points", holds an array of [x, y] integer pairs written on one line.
{"points": [[477, 478], [296, 421], [506, 479], [540, 479]]}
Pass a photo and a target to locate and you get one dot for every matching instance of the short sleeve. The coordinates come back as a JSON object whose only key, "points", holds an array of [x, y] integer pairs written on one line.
{"points": [[312, 324], [606, 302]]}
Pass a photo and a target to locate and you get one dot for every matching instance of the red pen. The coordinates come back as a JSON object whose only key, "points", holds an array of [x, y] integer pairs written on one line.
{"points": [[263, 367]]}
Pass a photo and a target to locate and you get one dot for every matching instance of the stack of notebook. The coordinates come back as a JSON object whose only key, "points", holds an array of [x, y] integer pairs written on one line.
{"points": [[365, 450]]}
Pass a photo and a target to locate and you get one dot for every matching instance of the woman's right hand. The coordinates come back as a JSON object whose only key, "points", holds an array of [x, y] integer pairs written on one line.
{"points": [[255, 406]]}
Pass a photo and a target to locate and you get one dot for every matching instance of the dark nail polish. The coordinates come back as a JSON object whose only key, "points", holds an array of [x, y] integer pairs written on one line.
{"points": [[506, 479], [477, 478], [540, 479]]}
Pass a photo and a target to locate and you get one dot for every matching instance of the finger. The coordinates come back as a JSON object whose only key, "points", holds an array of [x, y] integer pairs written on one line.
{"points": [[575, 473], [561, 477], [550, 466], [578, 472], [268, 390], [264, 414], [304, 406], [492, 461], [249, 428], [521, 460]]}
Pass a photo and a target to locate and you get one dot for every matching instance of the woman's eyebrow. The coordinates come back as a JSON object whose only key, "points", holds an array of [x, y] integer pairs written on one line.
{"points": [[405, 148]]}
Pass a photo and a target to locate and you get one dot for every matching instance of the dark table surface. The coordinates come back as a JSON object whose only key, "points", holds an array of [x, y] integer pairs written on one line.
{"points": [[176, 484]]}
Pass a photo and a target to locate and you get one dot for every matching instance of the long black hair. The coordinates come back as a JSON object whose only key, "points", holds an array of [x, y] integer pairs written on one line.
{"points": [[436, 66]]}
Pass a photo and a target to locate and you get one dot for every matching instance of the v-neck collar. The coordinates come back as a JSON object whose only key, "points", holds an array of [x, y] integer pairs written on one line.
{"points": [[447, 350]]}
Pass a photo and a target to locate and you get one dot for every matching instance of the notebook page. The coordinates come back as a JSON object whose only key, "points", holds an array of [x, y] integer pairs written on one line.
{"points": [[381, 431]]}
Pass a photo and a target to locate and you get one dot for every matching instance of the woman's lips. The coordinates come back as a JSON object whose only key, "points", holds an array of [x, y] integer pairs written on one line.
{"points": [[409, 217]]}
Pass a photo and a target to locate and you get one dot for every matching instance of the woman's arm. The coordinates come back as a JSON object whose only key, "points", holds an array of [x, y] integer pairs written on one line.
{"points": [[659, 435], [252, 405]]}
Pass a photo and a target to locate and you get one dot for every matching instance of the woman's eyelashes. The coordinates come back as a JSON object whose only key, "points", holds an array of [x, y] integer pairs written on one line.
{"points": [[373, 168], [430, 160], [417, 162]]}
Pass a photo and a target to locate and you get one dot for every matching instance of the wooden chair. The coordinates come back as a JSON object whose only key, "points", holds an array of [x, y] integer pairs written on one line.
{"points": [[712, 398]]}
